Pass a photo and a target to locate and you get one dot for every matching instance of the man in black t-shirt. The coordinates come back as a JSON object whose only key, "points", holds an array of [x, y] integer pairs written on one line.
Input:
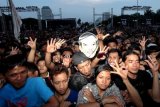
{"points": [[139, 88]]}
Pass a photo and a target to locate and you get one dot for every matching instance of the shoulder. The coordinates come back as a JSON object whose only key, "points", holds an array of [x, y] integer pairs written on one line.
{"points": [[113, 87], [6, 88], [144, 75], [33, 79], [36, 82]]}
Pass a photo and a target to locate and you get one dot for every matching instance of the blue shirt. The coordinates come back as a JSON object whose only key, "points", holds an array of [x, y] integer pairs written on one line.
{"points": [[34, 93], [73, 96]]}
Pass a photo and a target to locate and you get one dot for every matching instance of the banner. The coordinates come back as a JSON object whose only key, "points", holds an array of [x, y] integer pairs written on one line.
{"points": [[17, 22]]}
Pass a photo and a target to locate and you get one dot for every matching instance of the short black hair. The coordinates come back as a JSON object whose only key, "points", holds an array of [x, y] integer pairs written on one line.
{"points": [[58, 69], [134, 46], [67, 49], [115, 50], [32, 67], [152, 49], [14, 60], [104, 67], [41, 59], [77, 82], [108, 40], [129, 52]]}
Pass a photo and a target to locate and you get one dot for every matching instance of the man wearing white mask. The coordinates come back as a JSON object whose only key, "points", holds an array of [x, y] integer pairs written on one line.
{"points": [[88, 44]]}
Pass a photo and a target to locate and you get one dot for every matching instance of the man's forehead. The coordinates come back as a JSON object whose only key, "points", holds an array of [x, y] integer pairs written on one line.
{"points": [[58, 77], [17, 69]]}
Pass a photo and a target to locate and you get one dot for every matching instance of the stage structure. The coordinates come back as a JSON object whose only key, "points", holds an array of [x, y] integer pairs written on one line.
{"points": [[135, 8], [103, 15], [25, 9], [94, 15]]}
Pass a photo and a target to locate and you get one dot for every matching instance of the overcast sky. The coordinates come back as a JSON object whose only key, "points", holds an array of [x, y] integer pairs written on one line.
{"points": [[82, 9]]}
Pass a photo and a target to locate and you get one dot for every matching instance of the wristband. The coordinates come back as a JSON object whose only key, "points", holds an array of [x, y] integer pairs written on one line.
{"points": [[101, 104], [100, 55]]}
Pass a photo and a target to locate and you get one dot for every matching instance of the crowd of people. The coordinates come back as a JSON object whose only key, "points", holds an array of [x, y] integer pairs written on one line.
{"points": [[96, 68]]}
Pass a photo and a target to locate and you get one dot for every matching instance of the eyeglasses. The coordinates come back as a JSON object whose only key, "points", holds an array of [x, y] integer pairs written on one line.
{"points": [[67, 56]]}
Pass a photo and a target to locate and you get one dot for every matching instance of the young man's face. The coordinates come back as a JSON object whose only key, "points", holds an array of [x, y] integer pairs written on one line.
{"points": [[112, 57], [132, 62], [66, 58], [60, 83], [85, 68], [17, 76], [42, 67], [57, 57]]}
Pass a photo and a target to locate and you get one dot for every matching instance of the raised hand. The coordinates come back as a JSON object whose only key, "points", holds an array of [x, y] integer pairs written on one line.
{"points": [[143, 42], [14, 51], [59, 43], [121, 71], [51, 46], [153, 64], [100, 35], [102, 53], [32, 43], [88, 95]]}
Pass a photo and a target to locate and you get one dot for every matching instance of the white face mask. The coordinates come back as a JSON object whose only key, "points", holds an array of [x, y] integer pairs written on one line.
{"points": [[88, 44]]}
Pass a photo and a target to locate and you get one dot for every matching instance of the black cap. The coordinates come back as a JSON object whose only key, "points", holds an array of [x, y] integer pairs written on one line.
{"points": [[78, 58]]}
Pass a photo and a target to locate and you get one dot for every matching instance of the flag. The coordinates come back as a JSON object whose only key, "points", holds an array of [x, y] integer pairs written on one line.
{"points": [[0, 12], [17, 22]]}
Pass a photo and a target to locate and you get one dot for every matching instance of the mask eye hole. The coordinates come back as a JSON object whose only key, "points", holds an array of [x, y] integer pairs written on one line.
{"points": [[84, 44], [94, 44]]}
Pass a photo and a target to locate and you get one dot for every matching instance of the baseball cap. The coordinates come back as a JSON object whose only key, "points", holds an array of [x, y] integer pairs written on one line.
{"points": [[79, 57]]}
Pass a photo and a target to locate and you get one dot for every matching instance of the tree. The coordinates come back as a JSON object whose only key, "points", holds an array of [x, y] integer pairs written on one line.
{"points": [[158, 12], [149, 13]]}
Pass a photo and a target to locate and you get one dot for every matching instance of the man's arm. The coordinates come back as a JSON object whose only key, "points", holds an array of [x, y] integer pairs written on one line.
{"points": [[31, 55], [123, 72], [155, 91], [53, 102], [135, 97]]}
